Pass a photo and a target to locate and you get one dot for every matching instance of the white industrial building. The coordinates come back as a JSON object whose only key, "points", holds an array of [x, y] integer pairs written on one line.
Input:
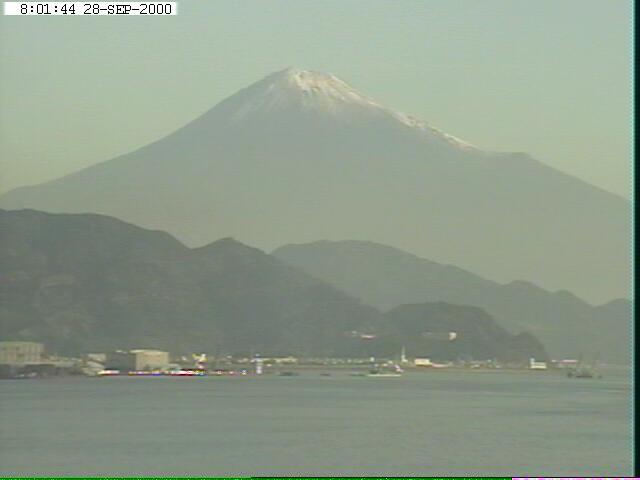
{"points": [[138, 360]]}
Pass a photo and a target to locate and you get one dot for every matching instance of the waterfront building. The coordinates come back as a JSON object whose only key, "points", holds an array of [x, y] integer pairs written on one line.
{"points": [[422, 362], [96, 357], [533, 365], [138, 360], [20, 353]]}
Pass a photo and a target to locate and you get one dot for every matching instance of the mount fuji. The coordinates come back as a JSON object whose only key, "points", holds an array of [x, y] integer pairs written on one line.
{"points": [[301, 156]]}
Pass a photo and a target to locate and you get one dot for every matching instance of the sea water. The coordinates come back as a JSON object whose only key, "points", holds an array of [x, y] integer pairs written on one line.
{"points": [[423, 423]]}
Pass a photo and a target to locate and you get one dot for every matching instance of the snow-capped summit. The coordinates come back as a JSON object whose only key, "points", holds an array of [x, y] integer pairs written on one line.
{"points": [[324, 89], [324, 93]]}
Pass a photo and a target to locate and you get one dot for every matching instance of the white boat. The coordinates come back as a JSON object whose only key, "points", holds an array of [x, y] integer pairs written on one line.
{"points": [[381, 374]]}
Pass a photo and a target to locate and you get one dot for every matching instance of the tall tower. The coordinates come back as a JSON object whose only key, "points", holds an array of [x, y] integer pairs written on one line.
{"points": [[403, 356]]}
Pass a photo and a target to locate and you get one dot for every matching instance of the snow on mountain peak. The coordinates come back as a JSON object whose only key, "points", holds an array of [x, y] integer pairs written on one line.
{"points": [[318, 85], [312, 90]]}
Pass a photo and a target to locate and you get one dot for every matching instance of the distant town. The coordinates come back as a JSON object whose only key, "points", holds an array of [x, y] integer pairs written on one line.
{"points": [[19, 359]]}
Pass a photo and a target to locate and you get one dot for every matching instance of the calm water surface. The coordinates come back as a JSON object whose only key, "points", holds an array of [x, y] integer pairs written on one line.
{"points": [[424, 423]]}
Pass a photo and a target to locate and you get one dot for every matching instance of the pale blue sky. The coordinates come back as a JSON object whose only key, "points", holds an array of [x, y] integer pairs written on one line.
{"points": [[548, 77]]}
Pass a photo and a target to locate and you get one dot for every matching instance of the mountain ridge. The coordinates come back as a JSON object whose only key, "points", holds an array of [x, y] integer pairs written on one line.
{"points": [[82, 283], [386, 278]]}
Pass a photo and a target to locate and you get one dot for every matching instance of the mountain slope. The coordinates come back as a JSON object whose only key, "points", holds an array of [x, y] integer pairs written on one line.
{"points": [[89, 282], [386, 277], [83, 283], [425, 329], [301, 155]]}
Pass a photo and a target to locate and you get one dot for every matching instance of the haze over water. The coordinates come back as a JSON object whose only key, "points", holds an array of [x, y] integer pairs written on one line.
{"points": [[436, 423]]}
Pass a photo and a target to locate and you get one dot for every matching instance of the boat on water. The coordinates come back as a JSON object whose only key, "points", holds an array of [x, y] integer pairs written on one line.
{"points": [[385, 370], [583, 370], [383, 374]]}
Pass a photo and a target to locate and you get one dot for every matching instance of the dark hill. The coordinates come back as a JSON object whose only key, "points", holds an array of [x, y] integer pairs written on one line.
{"points": [[450, 332], [89, 282]]}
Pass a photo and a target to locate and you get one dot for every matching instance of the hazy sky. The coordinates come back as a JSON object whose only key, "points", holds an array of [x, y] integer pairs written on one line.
{"points": [[547, 77]]}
